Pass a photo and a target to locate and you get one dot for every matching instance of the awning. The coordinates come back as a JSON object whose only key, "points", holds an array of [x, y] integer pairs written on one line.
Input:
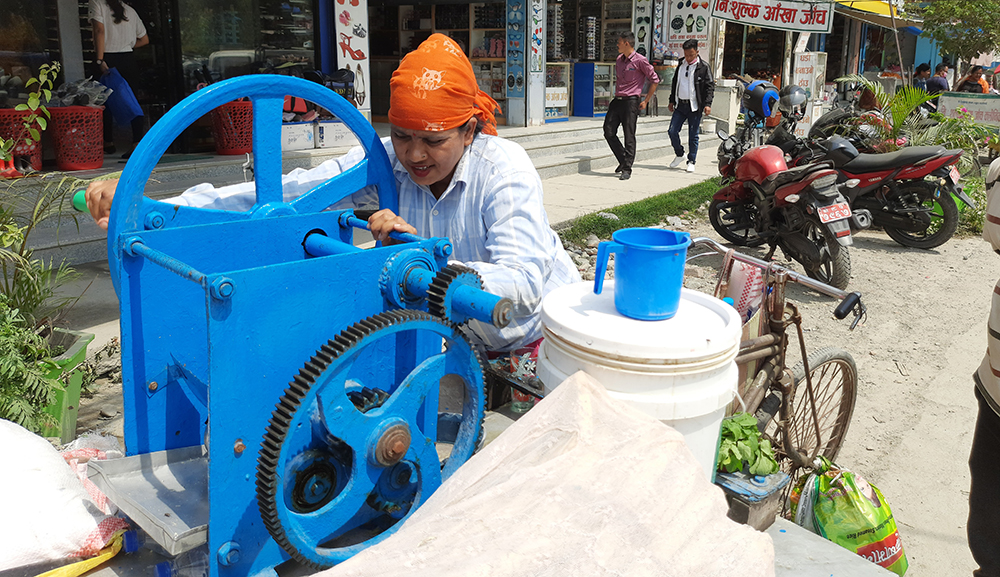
{"points": [[875, 12]]}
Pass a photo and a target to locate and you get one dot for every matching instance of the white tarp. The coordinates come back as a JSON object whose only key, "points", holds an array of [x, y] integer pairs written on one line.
{"points": [[581, 485]]}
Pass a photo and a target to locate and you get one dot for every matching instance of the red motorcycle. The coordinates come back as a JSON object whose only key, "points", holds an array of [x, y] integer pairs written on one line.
{"points": [[910, 193], [800, 209]]}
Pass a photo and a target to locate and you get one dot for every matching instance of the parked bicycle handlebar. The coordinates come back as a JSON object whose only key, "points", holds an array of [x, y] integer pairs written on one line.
{"points": [[850, 302]]}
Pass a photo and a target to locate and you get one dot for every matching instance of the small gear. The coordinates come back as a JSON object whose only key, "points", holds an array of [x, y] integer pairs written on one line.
{"points": [[439, 293]]}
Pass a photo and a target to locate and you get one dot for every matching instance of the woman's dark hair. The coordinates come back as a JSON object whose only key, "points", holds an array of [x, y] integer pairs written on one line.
{"points": [[117, 10], [925, 67], [479, 126], [974, 69]]}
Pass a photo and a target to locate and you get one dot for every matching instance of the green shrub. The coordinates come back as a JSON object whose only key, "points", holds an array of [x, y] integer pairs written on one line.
{"points": [[24, 362], [971, 219]]}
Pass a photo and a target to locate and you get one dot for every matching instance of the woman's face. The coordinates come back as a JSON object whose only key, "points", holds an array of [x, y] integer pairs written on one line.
{"points": [[431, 157]]}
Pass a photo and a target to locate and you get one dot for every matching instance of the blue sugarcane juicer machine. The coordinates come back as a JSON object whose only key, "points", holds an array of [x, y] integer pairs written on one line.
{"points": [[303, 371]]}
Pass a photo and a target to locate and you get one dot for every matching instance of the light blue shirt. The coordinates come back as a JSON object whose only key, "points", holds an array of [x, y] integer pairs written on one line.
{"points": [[492, 212]]}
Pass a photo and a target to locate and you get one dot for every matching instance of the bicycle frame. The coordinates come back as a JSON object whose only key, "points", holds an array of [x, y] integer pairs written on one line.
{"points": [[770, 349]]}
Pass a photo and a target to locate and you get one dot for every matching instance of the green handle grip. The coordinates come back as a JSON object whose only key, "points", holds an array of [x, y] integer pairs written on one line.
{"points": [[80, 201]]}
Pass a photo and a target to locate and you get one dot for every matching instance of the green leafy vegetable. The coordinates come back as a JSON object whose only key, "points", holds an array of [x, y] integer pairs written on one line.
{"points": [[741, 445]]}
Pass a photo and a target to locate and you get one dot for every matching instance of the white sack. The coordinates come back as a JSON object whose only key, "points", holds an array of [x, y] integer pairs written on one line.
{"points": [[580, 485], [46, 513]]}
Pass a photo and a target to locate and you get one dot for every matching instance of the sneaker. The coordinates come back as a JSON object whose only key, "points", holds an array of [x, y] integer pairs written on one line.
{"points": [[676, 162], [626, 174], [690, 167]]}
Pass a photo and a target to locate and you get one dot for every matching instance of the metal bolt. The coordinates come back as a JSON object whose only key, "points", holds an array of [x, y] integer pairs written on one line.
{"points": [[393, 444], [153, 220], [239, 447], [222, 288], [153, 385], [443, 248], [229, 553]]}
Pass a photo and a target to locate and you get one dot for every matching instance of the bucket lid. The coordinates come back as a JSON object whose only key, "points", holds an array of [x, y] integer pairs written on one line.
{"points": [[704, 326]]}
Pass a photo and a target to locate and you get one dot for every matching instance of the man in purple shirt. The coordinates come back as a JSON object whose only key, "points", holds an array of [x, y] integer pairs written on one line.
{"points": [[690, 97], [631, 71]]}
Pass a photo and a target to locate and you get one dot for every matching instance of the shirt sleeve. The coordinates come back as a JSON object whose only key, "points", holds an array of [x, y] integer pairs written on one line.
{"points": [[140, 28], [94, 11], [520, 244], [647, 70], [241, 197]]}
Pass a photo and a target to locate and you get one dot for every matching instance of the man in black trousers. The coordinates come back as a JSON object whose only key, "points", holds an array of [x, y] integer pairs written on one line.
{"points": [[690, 96], [631, 71]]}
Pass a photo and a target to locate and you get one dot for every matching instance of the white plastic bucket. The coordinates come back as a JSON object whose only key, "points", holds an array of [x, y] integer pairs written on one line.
{"points": [[682, 371]]}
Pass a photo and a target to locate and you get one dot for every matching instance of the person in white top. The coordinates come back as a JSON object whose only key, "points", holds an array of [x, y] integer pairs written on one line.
{"points": [[117, 31], [690, 97]]}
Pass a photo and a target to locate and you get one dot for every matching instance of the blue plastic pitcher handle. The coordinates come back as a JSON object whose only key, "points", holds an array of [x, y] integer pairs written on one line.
{"points": [[604, 250]]}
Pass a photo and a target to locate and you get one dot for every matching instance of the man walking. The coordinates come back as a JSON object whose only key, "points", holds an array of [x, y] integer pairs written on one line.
{"points": [[939, 82], [631, 71], [690, 96]]}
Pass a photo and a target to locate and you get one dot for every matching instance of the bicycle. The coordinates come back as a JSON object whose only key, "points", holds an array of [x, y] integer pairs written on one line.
{"points": [[804, 411]]}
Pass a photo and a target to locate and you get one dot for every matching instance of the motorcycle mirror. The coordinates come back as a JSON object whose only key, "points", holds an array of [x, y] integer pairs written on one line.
{"points": [[722, 134]]}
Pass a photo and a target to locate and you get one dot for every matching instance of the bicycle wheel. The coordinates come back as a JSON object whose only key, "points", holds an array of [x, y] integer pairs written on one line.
{"points": [[835, 387]]}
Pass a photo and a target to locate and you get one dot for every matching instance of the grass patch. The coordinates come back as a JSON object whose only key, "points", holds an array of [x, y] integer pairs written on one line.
{"points": [[646, 212]]}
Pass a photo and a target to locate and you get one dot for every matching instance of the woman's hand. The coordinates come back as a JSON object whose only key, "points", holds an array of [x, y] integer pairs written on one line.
{"points": [[385, 221], [99, 195]]}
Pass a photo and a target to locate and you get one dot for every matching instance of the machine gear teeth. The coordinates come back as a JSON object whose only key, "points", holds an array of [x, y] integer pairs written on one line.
{"points": [[267, 477], [437, 293]]}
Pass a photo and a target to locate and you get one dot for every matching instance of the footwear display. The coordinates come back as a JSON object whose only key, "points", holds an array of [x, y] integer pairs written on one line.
{"points": [[359, 86], [345, 47], [345, 18], [359, 31], [676, 162], [690, 167]]}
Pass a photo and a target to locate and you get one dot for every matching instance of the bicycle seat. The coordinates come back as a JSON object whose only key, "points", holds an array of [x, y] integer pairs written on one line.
{"points": [[885, 161]]}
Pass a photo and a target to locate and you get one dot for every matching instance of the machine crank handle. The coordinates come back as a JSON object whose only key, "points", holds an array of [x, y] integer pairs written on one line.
{"points": [[851, 304], [80, 201]]}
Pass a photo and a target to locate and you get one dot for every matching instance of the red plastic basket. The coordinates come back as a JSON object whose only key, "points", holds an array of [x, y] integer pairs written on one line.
{"points": [[78, 133], [232, 127], [11, 122]]}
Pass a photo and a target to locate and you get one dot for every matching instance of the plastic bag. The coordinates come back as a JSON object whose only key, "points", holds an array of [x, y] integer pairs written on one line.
{"points": [[122, 102], [843, 507], [86, 92]]}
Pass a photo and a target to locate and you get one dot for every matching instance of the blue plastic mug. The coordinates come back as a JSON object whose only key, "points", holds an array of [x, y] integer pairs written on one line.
{"points": [[649, 271]]}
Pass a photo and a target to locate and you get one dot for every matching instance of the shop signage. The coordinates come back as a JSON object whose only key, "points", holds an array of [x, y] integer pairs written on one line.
{"points": [[778, 14], [352, 30], [984, 108], [687, 21], [518, 40], [537, 36], [556, 97]]}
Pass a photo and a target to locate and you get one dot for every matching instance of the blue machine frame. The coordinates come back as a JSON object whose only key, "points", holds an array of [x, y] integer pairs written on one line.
{"points": [[221, 310]]}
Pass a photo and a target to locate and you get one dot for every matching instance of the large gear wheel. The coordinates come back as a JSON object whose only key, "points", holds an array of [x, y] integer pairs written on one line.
{"points": [[440, 292], [350, 452]]}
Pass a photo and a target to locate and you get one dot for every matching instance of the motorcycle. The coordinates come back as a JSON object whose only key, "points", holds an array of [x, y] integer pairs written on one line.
{"points": [[910, 193], [799, 209]]}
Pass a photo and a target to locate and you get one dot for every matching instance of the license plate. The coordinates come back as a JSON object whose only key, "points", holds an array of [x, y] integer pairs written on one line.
{"points": [[838, 211], [954, 175]]}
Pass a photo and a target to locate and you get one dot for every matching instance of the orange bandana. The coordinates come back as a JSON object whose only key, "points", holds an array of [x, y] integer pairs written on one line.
{"points": [[435, 89]]}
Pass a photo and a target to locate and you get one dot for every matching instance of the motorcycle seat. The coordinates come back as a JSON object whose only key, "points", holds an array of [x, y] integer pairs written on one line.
{"points": [[779, 179], [888, 160]]}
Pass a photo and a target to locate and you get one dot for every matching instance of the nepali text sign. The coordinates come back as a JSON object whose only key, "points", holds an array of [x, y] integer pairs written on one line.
{"points": [[779, 14], [984, 108]]}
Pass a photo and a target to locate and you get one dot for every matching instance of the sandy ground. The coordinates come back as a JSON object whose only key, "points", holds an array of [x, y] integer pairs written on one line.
{"points": [[916, 412]]}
